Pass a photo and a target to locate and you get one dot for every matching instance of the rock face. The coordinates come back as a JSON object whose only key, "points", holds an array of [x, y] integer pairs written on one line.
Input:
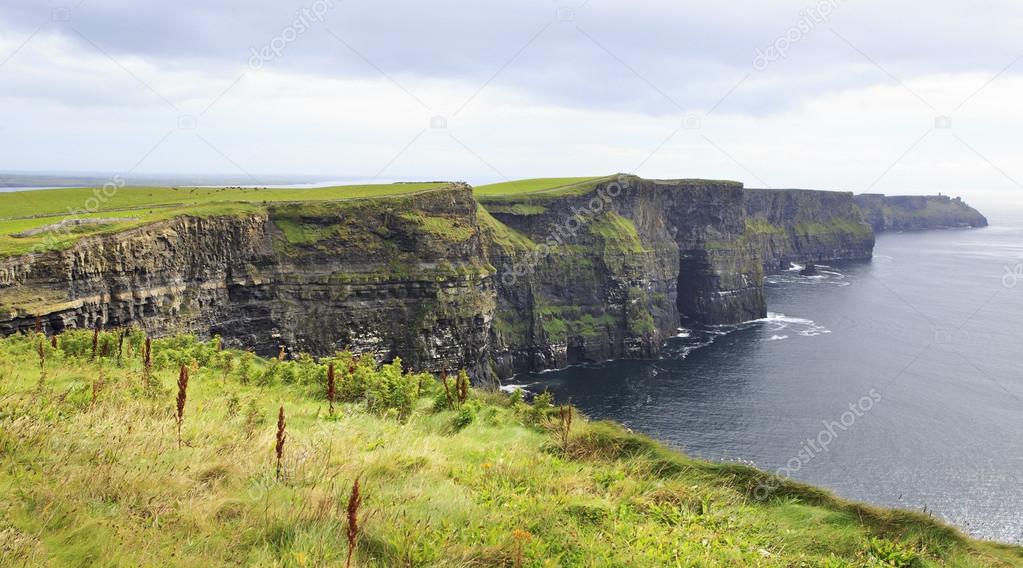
{"points": [[508, 284], [613, 272], [401, 277], [917, 212]]}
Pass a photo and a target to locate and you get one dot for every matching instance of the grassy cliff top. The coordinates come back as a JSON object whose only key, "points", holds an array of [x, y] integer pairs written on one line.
{"points": [[96, 471], [29, 219], [550, 187], [538, 190], [61, 201]]}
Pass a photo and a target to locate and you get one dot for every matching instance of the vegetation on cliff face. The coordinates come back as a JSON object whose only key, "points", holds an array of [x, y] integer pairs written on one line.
{"points": [[618, 233], [92, 474], [502, 235]]}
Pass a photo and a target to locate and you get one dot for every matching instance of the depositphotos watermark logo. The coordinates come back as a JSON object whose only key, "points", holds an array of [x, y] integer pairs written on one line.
{"points": [[809, 19], [1012, 276], [819, 444], [304, 19], [567, 229], [76, 216]]}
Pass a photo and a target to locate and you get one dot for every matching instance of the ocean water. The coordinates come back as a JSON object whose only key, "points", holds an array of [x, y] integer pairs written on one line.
{"points": [[925, 342]]}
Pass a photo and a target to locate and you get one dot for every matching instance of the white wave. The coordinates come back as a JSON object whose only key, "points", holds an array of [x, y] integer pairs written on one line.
{"points": [[809, 328], [776, 338], [778, 317]]}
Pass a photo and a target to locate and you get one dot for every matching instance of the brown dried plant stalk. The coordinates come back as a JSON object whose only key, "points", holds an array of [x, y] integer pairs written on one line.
{"points": [[182, 394], [354, 502], [281, 436], [147, 363], [331, 388], [520, 537], [97, 386], [41, 349], [280, 354], [53, 341], [462, 386], [95, 341], [447, 389], [566, 425]]}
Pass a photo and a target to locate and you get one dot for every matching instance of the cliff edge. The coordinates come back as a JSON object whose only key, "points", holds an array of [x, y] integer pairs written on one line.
{"points": [[917, 212], [499, 279]]}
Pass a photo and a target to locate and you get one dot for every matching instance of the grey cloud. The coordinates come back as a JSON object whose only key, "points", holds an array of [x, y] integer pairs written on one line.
{"points": [[691, 52]]}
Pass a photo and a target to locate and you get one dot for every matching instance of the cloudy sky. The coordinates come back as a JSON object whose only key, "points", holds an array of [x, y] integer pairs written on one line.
{"points": [[861, 95]]}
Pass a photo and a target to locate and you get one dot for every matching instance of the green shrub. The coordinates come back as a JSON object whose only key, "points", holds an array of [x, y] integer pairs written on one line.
{"points": [[890, 553], [542, 407], [466, 415], [391, 389]]}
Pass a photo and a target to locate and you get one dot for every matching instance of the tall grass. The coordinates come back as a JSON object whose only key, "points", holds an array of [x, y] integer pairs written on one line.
{"points": [[90, 478]]}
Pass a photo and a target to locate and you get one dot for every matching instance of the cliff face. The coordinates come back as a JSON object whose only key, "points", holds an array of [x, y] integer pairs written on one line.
{"points": [[401, 277], [611, 273], [442, 281], [917, 212]]}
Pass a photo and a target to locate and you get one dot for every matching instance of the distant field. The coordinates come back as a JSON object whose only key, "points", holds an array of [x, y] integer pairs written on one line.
{"points": [[25, 210], [58, 201], [551, 186]]}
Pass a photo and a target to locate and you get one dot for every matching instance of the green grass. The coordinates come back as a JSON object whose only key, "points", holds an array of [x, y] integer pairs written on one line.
{"points": [[101, 481], [834, 225], [501, 234], [450, 229], [618, 233], [545, 187], [759, 225], [57, 201], [520, 209], [24, 210]]}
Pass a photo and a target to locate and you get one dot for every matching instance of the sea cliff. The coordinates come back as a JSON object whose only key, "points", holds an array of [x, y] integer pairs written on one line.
{"points": [[917, 212], [450, 277]]}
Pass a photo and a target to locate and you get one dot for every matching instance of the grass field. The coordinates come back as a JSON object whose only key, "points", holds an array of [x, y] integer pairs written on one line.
{"points": [[93, 474], [25, 210], [552, 187]]}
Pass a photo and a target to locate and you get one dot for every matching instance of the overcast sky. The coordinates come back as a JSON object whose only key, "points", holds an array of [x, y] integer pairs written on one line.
{"points": [[842, 94]]}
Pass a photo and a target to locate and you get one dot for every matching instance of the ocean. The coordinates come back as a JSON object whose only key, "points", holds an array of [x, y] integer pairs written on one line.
{"points": [[897, 382]]}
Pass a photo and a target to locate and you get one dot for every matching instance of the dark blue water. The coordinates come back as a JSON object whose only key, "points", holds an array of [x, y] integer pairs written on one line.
{"points": [[926, 341]]}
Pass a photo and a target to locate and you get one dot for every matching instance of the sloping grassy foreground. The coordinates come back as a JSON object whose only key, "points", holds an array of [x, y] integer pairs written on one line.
{"points": [[91, 474]]}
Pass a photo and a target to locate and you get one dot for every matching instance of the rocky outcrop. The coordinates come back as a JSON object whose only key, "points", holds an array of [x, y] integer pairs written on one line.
{"points": [[612, 272], [512, 283], [401, 277], [917, 212]]}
